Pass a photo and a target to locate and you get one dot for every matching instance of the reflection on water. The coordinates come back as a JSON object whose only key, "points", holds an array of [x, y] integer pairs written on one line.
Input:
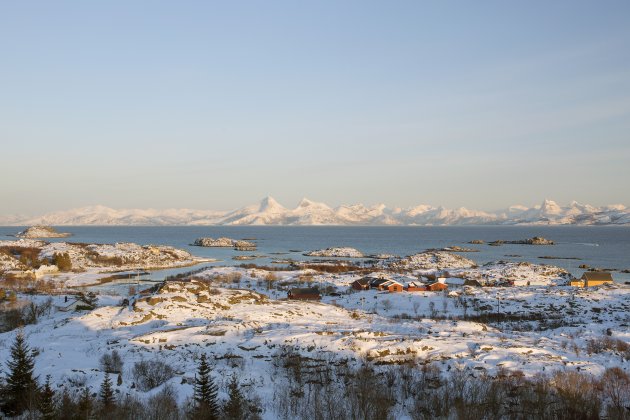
{"points": [[135, 282]]}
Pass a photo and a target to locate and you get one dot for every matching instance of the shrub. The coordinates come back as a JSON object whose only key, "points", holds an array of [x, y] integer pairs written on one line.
{"points": [[149, 374], [62, 261], [111, 362]]}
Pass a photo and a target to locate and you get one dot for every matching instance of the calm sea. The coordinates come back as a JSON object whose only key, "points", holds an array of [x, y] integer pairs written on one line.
{"points": [[604, 247]]}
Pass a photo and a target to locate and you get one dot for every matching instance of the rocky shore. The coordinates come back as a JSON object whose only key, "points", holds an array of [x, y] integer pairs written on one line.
{"points": [[33, 258]]}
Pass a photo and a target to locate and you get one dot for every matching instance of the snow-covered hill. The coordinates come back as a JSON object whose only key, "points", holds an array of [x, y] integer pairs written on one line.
{"points": [[307, 212]]}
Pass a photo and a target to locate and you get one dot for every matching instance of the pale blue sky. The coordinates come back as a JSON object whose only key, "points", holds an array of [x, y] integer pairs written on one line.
{"points": [[216, 104]]}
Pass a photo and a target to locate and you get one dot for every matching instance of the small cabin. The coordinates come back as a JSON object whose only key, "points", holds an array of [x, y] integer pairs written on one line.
{"points": [[436, 287], [596, 278], [310, 293], [391, 286], [416, 287], [361, 284]]}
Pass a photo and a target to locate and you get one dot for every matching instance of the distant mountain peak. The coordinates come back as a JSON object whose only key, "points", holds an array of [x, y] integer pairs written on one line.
{"points": [[270, 204], [269, 212], [550, 207], [305, 202]]}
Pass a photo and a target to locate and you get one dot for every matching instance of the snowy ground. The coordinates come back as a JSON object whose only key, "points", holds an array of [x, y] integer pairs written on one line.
{"points": [[240, 318]]}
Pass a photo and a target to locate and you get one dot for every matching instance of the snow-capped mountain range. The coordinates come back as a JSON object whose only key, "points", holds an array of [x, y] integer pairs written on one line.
{"points": [[307, 212]]}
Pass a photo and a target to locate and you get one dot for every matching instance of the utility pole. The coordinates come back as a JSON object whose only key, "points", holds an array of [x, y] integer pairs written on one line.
{"points": [[498, 308]]}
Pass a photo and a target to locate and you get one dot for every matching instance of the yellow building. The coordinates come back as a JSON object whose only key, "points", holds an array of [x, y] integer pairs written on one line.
{"points": [[596, 278]]}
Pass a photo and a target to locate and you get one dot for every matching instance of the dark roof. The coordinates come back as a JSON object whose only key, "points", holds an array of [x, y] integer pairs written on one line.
{"points": [[377, 282], [597, 275], [362, 281], [305, 291]]}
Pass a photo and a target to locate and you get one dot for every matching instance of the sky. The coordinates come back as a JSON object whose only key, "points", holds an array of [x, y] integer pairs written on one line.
{"points": [[214, 105]]}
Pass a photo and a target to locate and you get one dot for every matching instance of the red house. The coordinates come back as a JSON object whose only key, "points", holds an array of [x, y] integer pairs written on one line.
{"points": [[416, 287], [391, 286], [436, 287]]}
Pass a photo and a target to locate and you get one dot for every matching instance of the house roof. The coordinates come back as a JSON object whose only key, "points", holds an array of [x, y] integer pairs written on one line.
{"points": [[362, 281], [597, 275], [390, 283], [416, 284], [377, 282]]}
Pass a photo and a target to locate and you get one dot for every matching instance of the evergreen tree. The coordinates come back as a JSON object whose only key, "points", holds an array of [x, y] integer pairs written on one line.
{"points": [[206, 403], [47, 401], [107, 393], [67, 406], [235, 407], [20, 384], [86, 404], [89, 299]]}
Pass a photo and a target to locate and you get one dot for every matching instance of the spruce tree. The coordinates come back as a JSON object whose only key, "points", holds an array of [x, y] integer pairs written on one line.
{"points": [[235, 407], [85, 406], [67, 406], [107, 393], [47, 401], [20, 384], [206, 403]]}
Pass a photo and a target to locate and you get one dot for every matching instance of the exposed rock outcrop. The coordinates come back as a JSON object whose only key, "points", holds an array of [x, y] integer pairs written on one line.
{"points": [[432, 260], [223, 242], [345, 252], [517, 273]]}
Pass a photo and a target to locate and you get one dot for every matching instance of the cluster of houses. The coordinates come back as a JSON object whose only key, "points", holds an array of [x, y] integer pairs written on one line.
{"points": [[377, 283], [588, 279], [393, 286]]}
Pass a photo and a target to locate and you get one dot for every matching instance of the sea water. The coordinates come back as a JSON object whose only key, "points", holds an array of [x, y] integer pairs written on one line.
{"points": [[596, 246]]}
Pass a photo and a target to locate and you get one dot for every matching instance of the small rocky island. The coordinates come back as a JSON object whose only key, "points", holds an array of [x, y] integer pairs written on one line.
{"points": [[456, 248], [35, 232], [239, 245], [536, 240], [343, 252]]}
